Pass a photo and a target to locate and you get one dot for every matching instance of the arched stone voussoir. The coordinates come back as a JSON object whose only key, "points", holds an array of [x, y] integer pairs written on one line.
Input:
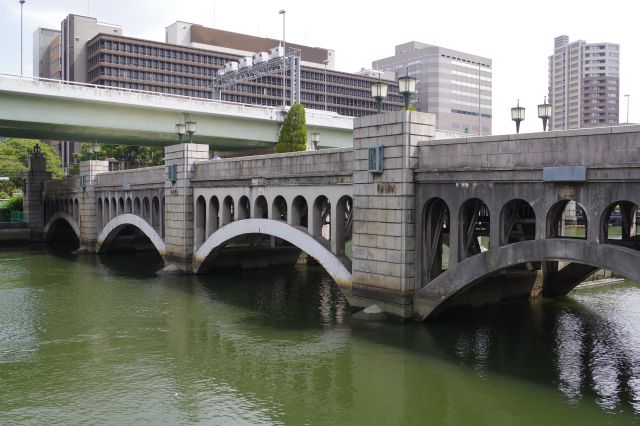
{"points": [[620, 260], [280, 229], [67, 218], [110, 230]]}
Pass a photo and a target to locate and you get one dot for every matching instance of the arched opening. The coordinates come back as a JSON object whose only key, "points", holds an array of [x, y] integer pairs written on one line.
{"points": [[76, 210], [435, 240], [214, 211], [120, 205], [260, 208], [344, 225], [279, 208], [300, 212], [227, 210], [322, 218], [566, 219], [114, 207], [137, 207], [61, 235], [619, 224], [127, 238], [105, 217], [162, 217], [503, 274], [146, 209], [200, 220], [155, 214], [128, 206], [475, 226], [244, 208], [247, 244], [99, 213], [518, 222]]}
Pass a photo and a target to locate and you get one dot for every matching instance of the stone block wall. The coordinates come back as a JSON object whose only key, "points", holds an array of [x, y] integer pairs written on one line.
{"points": [[385, 210]]}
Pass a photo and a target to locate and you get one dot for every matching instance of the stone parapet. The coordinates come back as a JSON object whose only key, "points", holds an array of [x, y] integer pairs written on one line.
{"points": [[307, 164]]}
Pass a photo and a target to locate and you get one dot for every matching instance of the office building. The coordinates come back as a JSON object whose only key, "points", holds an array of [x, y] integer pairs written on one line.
{"points": [[455, 86], [187, 64], [584, 84]]}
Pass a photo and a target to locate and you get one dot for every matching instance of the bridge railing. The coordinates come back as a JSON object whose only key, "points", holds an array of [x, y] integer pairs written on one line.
{"points": [[141, 176], [65, 83], [326, 162]]}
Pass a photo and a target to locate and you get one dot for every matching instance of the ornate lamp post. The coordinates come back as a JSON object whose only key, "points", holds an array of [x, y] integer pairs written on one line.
{"points": [[406, 87], [379, 92], [191, 128], [517, 115], [181, 129], [315, 140], [544, 112]]}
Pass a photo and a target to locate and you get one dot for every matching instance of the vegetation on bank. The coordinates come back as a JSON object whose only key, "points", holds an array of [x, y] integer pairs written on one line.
{"points": [[13, 203]]}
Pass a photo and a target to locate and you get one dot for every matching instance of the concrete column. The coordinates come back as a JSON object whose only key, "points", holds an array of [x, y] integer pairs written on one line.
{"points": [[88, 221], [179, 238], [33, 204], [384, 223]]}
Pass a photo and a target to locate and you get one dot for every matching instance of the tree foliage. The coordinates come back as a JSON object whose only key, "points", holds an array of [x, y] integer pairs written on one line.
{"points": [[14, 160], [133, 156], [293, 136]]}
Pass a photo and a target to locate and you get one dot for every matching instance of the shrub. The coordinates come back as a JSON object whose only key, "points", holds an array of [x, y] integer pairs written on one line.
{"points": [[14, 203], [293, 136]]}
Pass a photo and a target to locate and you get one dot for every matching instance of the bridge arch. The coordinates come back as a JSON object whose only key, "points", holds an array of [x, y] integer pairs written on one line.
{"points": [[279, 229], [432, 298], [62, 216], [115, 225]]}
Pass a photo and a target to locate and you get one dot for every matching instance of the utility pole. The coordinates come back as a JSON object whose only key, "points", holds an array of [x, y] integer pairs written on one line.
{"points": [[21, 5]]}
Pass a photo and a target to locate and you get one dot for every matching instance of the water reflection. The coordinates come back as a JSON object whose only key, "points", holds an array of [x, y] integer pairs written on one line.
{"points": [[579, 343], [114, 343]]}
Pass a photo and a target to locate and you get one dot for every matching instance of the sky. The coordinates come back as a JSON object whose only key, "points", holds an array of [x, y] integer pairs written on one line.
{"points": [[516, 36]]}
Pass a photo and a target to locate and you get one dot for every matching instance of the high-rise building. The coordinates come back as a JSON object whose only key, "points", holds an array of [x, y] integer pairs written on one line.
{"points": [[584, 84], [76, 31], [455, 86], [47, 60]]}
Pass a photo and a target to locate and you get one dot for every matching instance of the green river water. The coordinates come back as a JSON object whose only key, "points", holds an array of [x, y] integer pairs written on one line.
{"points": [[103, 340]]}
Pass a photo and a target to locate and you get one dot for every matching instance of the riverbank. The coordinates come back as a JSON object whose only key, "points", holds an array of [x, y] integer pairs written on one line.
{"points": [[14, 234]]}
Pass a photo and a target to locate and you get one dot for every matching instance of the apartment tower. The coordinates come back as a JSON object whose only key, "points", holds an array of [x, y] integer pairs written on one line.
{"points": [[584, 84], [455, 86]]}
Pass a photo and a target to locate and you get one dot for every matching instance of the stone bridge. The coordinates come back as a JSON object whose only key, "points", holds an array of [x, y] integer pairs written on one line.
{"points": [[445, 224]]}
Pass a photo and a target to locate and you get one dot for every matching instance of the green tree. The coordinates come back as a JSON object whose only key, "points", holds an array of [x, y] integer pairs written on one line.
{"points": [[132, 155], [293, 135], [14, 160]]}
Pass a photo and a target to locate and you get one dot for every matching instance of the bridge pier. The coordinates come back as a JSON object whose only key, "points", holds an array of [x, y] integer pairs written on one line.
{"points": [[178, 220], [33, 201], [87, 218], [384, 239]]}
